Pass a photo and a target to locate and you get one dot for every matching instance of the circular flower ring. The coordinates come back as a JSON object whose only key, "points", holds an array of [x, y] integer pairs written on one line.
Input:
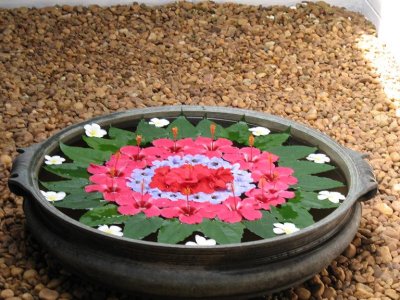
{"points": [[192, 180]]}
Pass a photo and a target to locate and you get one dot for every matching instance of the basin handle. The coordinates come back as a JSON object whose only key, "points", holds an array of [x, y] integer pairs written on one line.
{"points": [[367, 186], [18, 181]]}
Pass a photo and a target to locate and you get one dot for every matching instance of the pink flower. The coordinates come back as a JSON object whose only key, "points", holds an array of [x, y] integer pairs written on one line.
{"points": [[248, 157], [166, 147], [116, 169], [189, 213], [133, 203], [267, 197], [211, 148], [140, 156], [233, 210], [280, 176], [111, 188]]}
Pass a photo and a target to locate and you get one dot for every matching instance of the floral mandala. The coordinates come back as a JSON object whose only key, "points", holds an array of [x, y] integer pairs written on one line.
{"points": [[199, 185], [192, 180]]}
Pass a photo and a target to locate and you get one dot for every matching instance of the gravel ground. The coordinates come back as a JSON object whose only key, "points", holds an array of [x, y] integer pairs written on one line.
{"points": [[62, 65]]}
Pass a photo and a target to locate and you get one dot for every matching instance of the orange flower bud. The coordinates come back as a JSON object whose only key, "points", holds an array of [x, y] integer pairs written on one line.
{"points": [[251, 140], [175, 132], [187, 191], [138, 140], [212, 130]]}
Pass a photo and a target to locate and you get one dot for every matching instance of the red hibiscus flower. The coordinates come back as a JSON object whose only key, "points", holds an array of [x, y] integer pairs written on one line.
{"points": [[248, 157], [197, 178], [133, 203], [192, 213], [115, 168], [213, 148], [234, 209], [111, 188], [140, 156], [267, 197], [166, 147], [280, 176]]}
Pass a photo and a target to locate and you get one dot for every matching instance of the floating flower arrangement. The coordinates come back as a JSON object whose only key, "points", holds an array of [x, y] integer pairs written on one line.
{"points": [[197, 185]]}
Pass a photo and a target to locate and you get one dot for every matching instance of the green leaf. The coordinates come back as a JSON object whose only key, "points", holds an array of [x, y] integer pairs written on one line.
{"points": [[103, 215], [85, 155], [239, 132], [296, 214], [150, 132], [301, 167], [185, 128], [75, 184], [102, 144], [290, 153], [204, 129], [303, 218], [223, 233], [67, 170], [269, 141], [315, 183], [310, 200], [123, 137], [286, 213], [173, 231], [139, 226], [81, 201], [264, 226]]}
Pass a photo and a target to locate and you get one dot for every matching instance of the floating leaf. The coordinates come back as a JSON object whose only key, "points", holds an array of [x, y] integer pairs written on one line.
{"points": [[103, 215], [75, 184], [303, 218], [67, 170], [185, 128], [122, 136], [223, 233], [139, 226], [204, 129], [293, 213], [173, 231], [291, 153], [264, 226], [301, 167], [239, 132], [103, 144], [269, 141], [81, 201], [315, 183], [149, 132], [310, 200], [85, 155]]}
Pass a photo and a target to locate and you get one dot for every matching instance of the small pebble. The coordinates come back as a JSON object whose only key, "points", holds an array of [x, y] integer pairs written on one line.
{"points": [[47, 294], [7, 293]]}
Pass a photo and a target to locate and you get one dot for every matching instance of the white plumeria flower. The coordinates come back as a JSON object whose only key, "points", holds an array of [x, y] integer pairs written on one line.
{"points": [[53, 160], [53, 196], [271, 17], [258, 131], [94, 130], [159, 122], [114, 230], [201, 241], [318, 158], [334, 197], [285, 228]]}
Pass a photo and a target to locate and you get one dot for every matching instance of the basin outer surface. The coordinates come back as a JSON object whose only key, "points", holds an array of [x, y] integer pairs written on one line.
{"points": [[176, 271]]}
